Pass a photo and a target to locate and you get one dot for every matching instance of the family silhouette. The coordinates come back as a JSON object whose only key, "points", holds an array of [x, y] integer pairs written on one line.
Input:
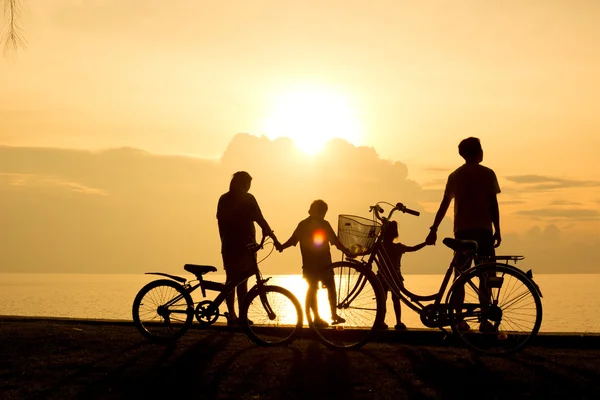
{"points": [[472, 186]]}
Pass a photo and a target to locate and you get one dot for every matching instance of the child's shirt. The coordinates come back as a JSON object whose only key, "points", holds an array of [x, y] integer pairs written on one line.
{"points": [[314, 235], [394, 252]]}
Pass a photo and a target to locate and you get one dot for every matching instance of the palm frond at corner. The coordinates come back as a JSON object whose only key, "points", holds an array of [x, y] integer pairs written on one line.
{"points": [[11, 35]]}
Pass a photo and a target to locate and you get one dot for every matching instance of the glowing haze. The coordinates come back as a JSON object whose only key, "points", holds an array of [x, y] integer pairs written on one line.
{"points": [[120, 124], [312, 118]]}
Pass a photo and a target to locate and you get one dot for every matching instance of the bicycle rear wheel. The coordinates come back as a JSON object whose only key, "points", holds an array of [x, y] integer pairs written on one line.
{"points": [[502, 302], [358, 301], [162, 311], [271, 315]]}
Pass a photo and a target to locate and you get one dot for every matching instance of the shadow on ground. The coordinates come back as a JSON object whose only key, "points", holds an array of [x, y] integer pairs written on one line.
{"points": [[63, 361]]}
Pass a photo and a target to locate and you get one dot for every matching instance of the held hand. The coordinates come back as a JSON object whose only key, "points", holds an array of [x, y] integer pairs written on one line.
{"points": [[278, 246], [431, 238], [497, 239]]}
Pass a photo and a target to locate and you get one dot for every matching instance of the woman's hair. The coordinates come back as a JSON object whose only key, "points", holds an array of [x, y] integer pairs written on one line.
{"points": [[391, 231], [240, 180]]}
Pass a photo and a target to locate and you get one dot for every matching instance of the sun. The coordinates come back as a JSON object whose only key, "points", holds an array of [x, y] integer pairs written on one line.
{"points": [[312, 117]]}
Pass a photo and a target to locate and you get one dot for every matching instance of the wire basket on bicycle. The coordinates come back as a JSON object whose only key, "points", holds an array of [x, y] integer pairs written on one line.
{"points": [[358, 234]]}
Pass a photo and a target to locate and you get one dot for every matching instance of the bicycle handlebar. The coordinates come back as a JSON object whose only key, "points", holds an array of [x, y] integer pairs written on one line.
{"points": [[377, 209], [255, 247], [407, 210]]}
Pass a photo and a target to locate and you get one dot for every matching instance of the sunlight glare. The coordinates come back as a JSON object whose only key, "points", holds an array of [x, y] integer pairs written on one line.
{"points": [[318, 238], [311, 118]]}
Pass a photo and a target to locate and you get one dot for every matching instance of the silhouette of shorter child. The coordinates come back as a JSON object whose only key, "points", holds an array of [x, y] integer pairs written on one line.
{"points": [[394, 251], [314, 235]]}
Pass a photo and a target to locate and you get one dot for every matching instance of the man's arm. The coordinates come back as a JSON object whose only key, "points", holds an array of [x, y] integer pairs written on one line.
{"points": [[495, 213], [439, 216]]}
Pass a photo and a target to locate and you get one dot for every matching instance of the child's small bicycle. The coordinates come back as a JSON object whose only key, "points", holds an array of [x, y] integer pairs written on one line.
{"points": [[163, 310], [499, 298]]}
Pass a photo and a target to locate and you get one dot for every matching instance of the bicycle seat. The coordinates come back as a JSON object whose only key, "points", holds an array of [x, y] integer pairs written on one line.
{"points": [[461, 246], [199, 269]]}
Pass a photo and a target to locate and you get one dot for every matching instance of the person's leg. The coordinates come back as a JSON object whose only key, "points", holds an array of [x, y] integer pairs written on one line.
{"points": [[386, 289], [230, 300], [229, 263], [329, 283], [245, 267], [397, 311], [311, 298], [485, 245], [460, 262], [242, 290], [248, 267]]}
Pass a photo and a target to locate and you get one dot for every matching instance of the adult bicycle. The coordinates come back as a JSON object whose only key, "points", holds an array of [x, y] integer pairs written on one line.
{"points": [[493, 293], [163, 310]]}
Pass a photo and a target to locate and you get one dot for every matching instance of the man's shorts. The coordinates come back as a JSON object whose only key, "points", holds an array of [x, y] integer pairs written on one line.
{"points": [[485, 245]]}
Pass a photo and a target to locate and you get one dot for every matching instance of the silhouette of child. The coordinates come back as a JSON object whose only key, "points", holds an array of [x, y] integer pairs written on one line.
{"points": [[394, 251], [315, 234]]}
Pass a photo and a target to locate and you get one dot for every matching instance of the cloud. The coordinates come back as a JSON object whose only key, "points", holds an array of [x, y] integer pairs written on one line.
{"points": [[562, 213], [129, 211], [441, 182], [32, 181], [564, 203], [547, 183], [439, 169], [511, 202]]}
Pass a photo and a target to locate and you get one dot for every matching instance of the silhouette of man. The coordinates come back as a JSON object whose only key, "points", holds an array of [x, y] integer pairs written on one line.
{"points": [[237, 211], [474, 189]]}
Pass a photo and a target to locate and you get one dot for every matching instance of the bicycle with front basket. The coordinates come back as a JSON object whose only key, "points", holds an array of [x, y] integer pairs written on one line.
{"points": [[163, 310], [493, 290]]}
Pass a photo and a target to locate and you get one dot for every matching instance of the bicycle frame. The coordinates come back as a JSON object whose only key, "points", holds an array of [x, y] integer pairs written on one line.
{"points": [[501, 299], [224, 289], [393, 280]]}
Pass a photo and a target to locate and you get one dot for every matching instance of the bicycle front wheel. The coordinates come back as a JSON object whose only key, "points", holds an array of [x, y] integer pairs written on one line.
{"points": [[350, 308], [162, 311], [271, 315], [495, 308]]}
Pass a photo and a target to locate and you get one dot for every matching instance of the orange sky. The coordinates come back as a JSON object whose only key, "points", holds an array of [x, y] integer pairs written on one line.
{"points": [[184, 77]]}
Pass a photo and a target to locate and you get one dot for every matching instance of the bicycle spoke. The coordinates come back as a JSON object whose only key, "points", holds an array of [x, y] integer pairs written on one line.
{"points": [[160, 310], [272, 316], [509, 302], [356, 292]]}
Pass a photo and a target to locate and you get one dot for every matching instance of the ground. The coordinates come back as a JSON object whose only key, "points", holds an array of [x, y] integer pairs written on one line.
{"points": [[42, 359]]}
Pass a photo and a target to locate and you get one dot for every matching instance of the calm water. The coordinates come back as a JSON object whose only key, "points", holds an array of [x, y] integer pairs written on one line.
{"points": [[571, 302]]}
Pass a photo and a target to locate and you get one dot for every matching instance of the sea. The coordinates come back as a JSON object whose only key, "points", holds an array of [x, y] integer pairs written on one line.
{"points": [[571, 303]]}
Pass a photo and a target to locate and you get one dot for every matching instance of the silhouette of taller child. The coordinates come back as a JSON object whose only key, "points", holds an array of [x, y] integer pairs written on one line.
{"points": [[315, 234]]}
